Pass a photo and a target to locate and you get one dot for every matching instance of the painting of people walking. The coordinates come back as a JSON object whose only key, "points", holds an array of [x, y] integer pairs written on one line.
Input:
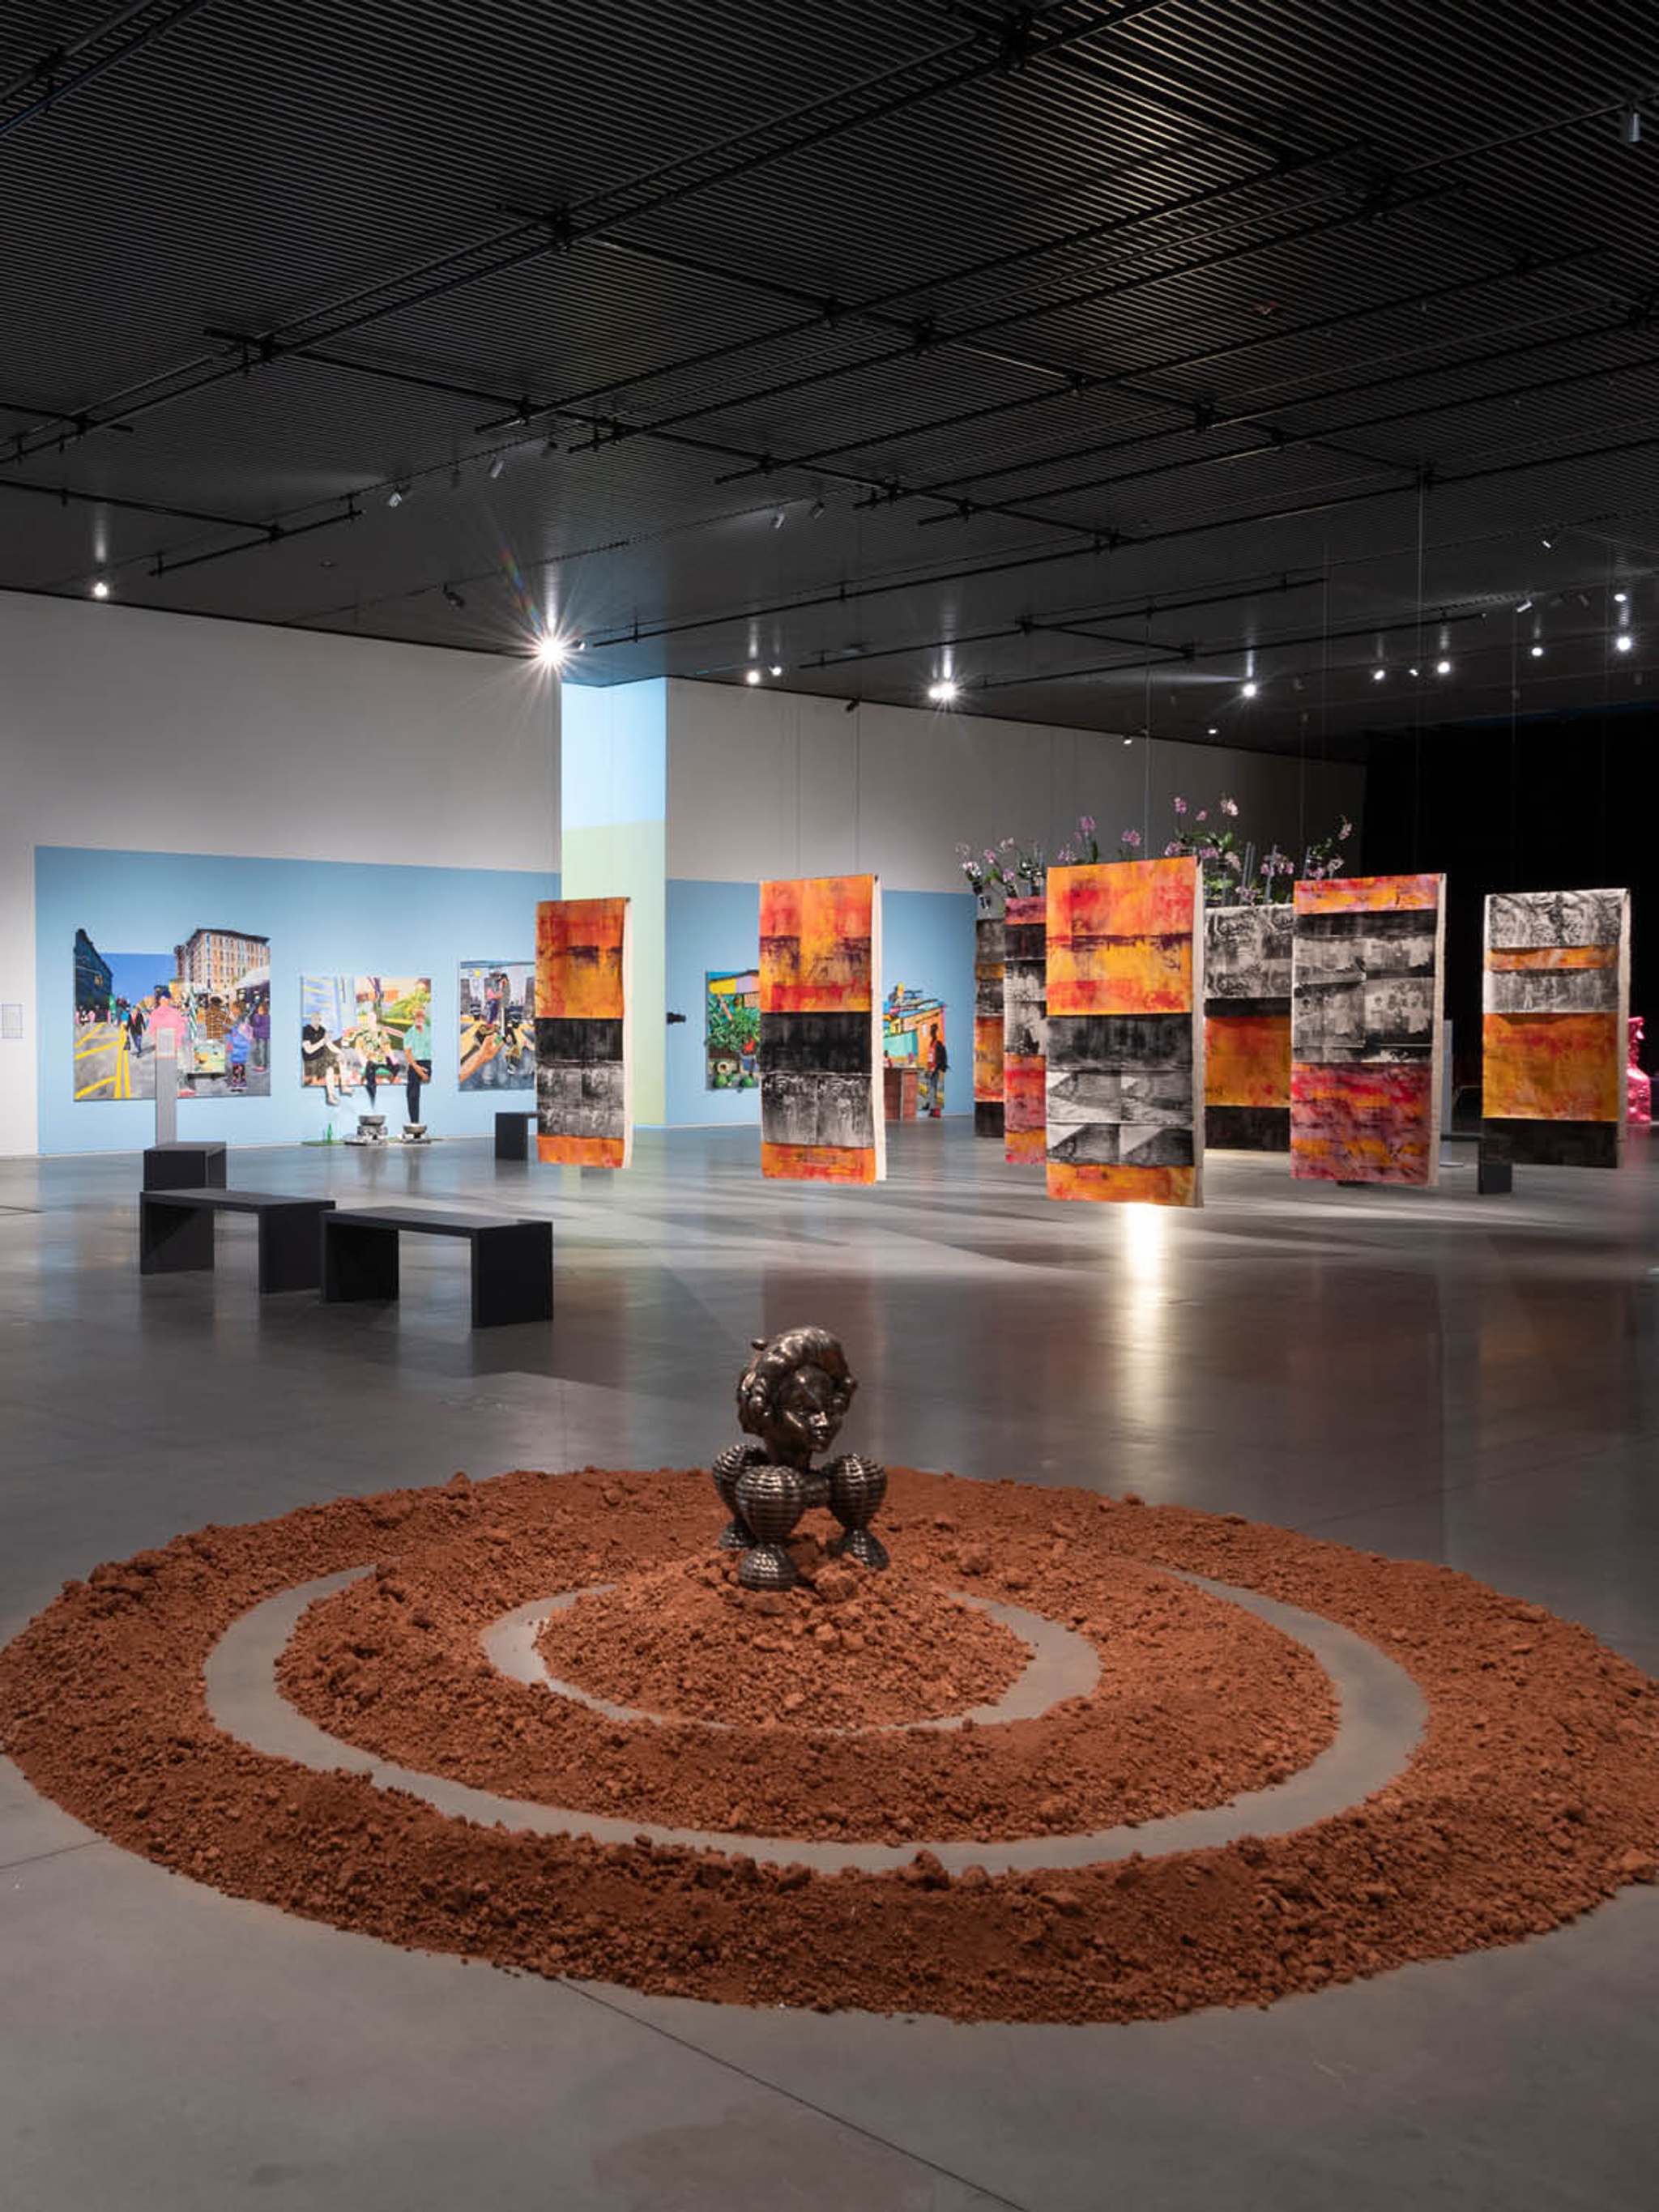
{"points": [[205, 1002]]}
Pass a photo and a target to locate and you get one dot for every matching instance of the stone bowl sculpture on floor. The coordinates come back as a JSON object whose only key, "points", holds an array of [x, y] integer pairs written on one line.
{"points": [[794, 1396]]}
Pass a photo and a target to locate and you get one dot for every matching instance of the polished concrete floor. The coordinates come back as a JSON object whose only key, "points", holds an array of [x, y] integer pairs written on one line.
{"points": [[1437, 1375]]}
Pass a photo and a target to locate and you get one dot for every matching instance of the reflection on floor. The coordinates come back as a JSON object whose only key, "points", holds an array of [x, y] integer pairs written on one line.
{"points": [[1435, 1375]]}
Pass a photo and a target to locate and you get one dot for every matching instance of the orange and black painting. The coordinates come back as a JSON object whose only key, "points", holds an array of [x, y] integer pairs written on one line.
{"points": [[1365, 1029], [582, 1117], [820, 1031], [990, 943], [1555, 998], [1124, 1048], [1247, 1027], [1024, 1029]]}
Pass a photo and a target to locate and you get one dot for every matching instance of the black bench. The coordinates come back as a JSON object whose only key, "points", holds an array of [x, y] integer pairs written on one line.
{"points": [[184, 1167], [175, 1233], [513, 1134], [512, 1260]]}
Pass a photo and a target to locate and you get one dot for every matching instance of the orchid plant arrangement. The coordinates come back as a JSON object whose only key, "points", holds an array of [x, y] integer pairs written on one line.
{"points": [[1233, 874]]}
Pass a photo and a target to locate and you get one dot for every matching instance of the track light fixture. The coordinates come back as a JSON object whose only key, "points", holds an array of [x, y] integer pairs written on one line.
{"points": [[1525, 607], [397, 496], [779, 517], [100, 587], [777, 668], [496, 466], [1630, 126], [453, 598], [1378, 675]]}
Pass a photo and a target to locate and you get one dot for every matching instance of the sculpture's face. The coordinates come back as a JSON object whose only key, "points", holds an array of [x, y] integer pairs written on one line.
{"points": [[809, 1409]]}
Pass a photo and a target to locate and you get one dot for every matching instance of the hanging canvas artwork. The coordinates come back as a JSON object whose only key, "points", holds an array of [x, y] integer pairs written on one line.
{"points": [[732, 1028], [988, 1023], [496, 1047], [209, 998], [1365, 1031], [820, 1031], [364, 1033], [1555, 1005], [1025, 1028], [1126, 1038], [583, 1117], [1247, 1027]]}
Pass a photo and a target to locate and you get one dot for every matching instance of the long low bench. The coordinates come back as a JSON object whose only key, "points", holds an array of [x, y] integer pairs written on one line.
{"points": [[175, 1233], [512, 1260]]}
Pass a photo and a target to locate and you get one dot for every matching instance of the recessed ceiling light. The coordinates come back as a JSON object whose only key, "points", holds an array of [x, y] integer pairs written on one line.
{"points": [[777, 668], [100, 587], [751, 675], [1442, 668], [1378, 675], [1536, 651], [1623, 642]]}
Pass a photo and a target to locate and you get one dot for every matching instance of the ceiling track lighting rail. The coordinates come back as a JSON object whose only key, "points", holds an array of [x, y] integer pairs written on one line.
{"points": [[272, 533], [951, 69], [56, 87]]}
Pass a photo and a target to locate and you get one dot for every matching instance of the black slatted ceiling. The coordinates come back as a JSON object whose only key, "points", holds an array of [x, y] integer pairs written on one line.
{"points": [[1066, 342]]}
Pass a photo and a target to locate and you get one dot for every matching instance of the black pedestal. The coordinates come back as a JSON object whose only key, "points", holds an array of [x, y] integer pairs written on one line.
{"points": [[512, 1136], [184, 1167]]}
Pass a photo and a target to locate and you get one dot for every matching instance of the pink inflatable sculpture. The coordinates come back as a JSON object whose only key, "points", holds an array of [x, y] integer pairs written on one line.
{"points": [[1638, 1084]]}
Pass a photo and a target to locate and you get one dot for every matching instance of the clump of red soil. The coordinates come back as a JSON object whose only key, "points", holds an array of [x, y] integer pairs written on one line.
{"points": [[844, 1649], [1533, 1796], [1197, 1699]]}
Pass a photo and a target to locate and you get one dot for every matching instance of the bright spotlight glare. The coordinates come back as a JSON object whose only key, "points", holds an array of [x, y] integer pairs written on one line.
{"points": [[1251, 689], [551, 650], [1536, 651], [1623, 642], [100, 587], [1442, 668], [944, 690], [751, 675], [1378, 675]]}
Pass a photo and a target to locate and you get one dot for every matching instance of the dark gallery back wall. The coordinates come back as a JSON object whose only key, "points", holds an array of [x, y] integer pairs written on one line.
{"points": [[1529, 806]]}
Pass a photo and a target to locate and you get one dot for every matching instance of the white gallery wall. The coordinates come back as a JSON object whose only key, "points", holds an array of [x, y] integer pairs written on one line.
{"points": [[767, 782], [132, 730]]}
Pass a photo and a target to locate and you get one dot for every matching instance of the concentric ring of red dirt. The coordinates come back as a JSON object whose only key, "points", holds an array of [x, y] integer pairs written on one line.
{"points": [[1534, 1794], [843, 1650], [1197, 1700]]}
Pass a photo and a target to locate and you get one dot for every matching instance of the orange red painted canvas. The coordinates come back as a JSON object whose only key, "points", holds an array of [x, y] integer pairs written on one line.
{"points": [[578, 958], [583, 1151], [1374, 894], [819, 1162], [1123, 1185], [1552, 1068], [1120, 938], [1025, 1134], [815, 946], [1362, 1123], [1247, 1060]]}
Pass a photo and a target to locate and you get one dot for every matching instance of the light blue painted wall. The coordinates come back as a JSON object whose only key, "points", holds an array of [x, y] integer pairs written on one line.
{"points": [[927, 943], [613, 754], [322, 917]]}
